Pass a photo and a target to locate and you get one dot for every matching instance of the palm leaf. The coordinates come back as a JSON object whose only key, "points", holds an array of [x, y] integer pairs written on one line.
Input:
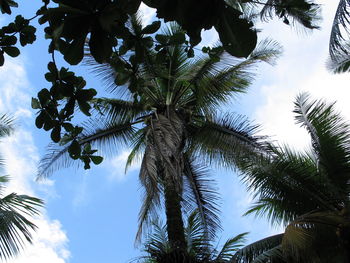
{"points": [[274, 255], [282, 182], [224, 139], [107, 136], [215, 82], [330, 136], [254, 250], [6, 125], [340, 61], [231, 246], [149, 178], [200, 193], [299, 11], [338, 48], [6, 129], [116, 109], [14, 226]]}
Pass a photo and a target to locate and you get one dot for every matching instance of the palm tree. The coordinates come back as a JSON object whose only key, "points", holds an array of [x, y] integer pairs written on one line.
{"points": [[199, 248], [306, 191], [168, 115], [15, 228]]}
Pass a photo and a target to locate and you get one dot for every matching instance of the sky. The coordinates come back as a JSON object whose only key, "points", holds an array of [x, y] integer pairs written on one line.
{"points": [[91, 216]]}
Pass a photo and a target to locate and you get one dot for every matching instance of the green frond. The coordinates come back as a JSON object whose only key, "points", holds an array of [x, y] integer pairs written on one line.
{"points": [[138, 145], [135, 24], [152, 189], [258, 248], [6, 125], [107, 73], [104, 135], [303, 12], [330, 136], [200, 194], [216, 81], [230, 247], [116, 109], [14, 225], [305, 237], [339, 38], [267, 51], [274, 255], [224, 139], [284, 181], [6, 129], [340, 60], [198, 243]]}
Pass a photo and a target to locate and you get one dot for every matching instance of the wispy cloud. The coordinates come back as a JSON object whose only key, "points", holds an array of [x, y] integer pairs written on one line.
{"points": [[116, 167], [301, 69], [50, 241]]}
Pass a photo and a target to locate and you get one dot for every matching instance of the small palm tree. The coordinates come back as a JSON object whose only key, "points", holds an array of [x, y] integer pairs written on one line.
{"points": [[199, 248], [307, 191], [15, 228], [170, 121]]}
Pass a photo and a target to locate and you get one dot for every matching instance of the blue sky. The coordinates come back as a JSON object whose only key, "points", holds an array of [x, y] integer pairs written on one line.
{"points": [[91, 216]]}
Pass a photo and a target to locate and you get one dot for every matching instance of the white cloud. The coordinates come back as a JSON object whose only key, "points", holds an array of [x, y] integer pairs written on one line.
{"points": [[147, 14], [116, 166], [21, 155], [302, 68]]}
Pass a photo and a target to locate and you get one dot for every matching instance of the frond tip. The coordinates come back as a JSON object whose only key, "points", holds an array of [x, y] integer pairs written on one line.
{"points": [[14, 225]]}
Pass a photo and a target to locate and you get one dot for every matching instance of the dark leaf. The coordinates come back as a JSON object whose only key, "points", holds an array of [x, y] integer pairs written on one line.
{"points": [[56, 134], [44, 97], [75, 51], [100, 45], [236, 34], [84, 107], [74, 149], [11, 51], [152, 28], [96, 159]]}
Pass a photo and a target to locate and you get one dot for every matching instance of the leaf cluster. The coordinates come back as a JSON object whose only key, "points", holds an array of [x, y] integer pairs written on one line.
{"points": [[9, 38]]}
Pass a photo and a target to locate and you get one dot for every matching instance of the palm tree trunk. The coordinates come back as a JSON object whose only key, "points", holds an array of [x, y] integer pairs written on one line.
{"points": [[169, 138], [175, 225]]}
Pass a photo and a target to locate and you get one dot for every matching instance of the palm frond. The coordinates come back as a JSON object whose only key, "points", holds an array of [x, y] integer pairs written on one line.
{"points": [[330, 136], [340, 61], [225, 139], [14, 226], [267, 51], [215, 82], [104, 135], [231, 246], [338, 47], [304, 237], [6, 125], [138, 145], [196, 237], [150, 180], [274, 255], [284, 181], [122, 110], [303, 12], [107, 73], [6, 129], [254, 250], [200, 194]]}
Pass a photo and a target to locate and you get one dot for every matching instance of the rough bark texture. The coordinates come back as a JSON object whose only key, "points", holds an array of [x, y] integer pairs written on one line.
{"points": [[169, 138], [175, 225]]}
